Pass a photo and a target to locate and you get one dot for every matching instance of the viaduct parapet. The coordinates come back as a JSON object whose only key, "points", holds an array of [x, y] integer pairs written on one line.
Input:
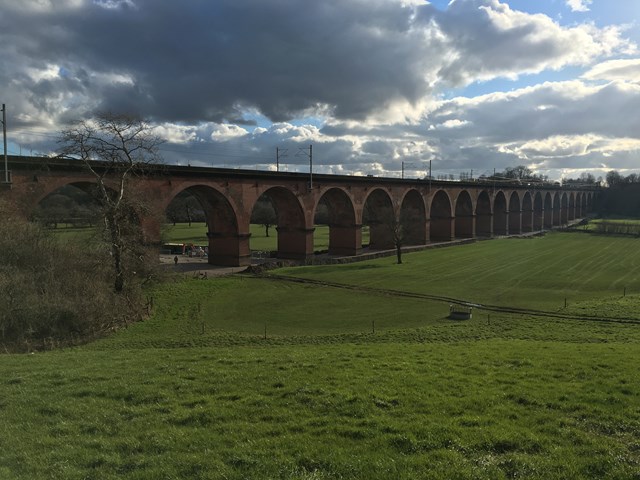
{"points": [[439, 210]]}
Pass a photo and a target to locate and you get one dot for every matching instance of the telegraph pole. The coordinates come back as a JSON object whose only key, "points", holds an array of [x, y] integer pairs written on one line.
{"points": [[280, 154], [4, 137], [310, 155]]}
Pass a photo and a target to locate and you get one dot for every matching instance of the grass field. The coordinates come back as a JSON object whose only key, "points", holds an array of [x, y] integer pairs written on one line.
{"points": [[198, 391], [197, 234], [536, 273]]}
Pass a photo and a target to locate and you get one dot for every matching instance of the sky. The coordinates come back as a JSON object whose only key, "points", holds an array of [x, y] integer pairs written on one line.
{"points": [[378, 87]]}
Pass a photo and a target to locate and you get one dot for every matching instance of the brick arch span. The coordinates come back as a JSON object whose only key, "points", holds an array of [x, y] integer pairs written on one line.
{"points": [[228, 242], [379, 214], [527, 213], [548, 210], [500, 214], [345, 234], [564, 209], [464, 218], [295, 236], [515, 213], [571, 215], [556, 209], [538, 212], [440, 217], [579, 212], [413, 215], [484, 217]]}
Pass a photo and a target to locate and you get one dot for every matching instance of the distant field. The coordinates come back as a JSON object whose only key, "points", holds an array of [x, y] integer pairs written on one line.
{"points": [[197, 234], [535, 272], [349, 384], [621, 226]]}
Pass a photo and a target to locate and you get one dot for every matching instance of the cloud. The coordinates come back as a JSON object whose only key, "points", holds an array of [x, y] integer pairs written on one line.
{"points": [[579, 5], [204, 61], [225, 82], [624, 70]]}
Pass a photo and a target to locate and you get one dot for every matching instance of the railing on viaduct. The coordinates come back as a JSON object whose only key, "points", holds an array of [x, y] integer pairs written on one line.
{"points": [[439, 210]]}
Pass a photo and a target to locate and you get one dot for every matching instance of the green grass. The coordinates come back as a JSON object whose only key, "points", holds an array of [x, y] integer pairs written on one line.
{"points": [[537, 273], [197, 391], [197, 234]]}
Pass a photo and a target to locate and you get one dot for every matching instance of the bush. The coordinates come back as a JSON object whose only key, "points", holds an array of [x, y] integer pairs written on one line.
{"points": [[56, 293]]}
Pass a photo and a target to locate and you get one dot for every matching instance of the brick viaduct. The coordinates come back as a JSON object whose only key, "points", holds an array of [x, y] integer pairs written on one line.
{"points": [[440, 211]]}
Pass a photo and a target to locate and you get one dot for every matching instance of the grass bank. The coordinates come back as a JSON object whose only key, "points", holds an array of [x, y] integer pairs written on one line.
{"points": [[197, 391]]}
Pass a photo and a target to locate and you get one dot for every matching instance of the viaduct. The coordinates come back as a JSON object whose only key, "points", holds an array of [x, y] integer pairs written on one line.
{"points": [[439, 210]]}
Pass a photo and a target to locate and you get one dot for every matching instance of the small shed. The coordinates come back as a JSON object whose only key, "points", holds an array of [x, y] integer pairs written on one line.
{"points": [[460, 312]]}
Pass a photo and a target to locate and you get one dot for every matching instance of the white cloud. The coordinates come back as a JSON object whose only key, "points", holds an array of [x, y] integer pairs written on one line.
{"points": [[579, 5], [624, 70], [226, 132]]}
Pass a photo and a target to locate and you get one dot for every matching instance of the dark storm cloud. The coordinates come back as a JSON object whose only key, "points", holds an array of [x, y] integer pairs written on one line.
{"points": [[208, 61], [205, 60]]}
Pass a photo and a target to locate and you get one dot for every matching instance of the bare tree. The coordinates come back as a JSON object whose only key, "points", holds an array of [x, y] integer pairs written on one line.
{"points": [[114, 149], [264, 214], [398, 231]]}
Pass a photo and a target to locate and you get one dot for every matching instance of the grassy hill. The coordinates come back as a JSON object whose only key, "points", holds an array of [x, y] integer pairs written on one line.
{"points": [[348, 383]]}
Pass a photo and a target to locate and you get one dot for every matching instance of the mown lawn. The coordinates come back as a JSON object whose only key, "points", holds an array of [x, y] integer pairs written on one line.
{"points": [[197, 391], [536, 273]]}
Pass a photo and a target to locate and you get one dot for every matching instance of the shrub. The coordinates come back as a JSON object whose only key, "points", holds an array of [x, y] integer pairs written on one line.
{"points": [[53, 292]]}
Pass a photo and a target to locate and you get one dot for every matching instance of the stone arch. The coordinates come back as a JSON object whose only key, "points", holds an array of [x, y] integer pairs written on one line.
{"points": [[571, 215], [500, 226], [345, 235], [379, 214], [564, 209], [295, 239], [590, 202], [484, 227], [556, 209], [464, 216], [538, 212], [579, 205], [226, 245], [515, 214], [548, 211], [413, 216], [527, 213], [81, 188], [584, 205], [440, 218]]}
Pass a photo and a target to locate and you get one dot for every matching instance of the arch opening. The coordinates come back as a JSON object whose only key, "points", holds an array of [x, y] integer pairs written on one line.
{"points": [[207, 225], [294, 239], [548, 211], [556, 209], [441, 220], [378, 214], [464, 225], [538, 212], [413, 219], [527, 213], [335, 209], [484, 217], [515, 214], [500, 214]]}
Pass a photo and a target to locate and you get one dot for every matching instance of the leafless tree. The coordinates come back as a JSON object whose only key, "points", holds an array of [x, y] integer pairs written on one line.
{"points": [[115, 149]]}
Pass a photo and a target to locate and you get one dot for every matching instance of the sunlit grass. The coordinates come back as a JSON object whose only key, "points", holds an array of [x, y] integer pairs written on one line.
{"points": [[537, 273], [244, 377]]}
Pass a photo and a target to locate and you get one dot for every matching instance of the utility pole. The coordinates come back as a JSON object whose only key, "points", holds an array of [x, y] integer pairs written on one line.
{"points": [[310, 155], [4, 137], [280, 154], [403, 169]]}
